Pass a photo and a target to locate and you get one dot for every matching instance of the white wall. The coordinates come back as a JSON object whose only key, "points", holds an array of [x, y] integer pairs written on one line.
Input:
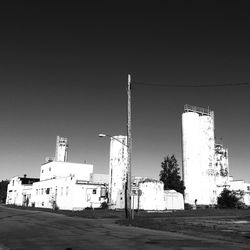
{"points": [[173, 200], [68, 194], [100, 178], [152, 197], [17, 193], [63, 169]]}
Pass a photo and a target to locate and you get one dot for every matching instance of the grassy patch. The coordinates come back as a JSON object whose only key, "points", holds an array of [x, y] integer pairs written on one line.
{"points": [[87, 213]]}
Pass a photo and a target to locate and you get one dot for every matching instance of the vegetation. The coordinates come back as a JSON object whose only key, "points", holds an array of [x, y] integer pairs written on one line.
{"points": [[170, 175], [230, 199], [3, 190], [104, 205]]}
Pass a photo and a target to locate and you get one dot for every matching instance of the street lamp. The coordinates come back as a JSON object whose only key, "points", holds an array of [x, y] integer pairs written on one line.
{"points": [[105, 135], [129, 150], [128, 181]]}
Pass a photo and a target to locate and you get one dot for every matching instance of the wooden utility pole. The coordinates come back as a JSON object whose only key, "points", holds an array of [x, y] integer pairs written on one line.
{"points": [[129, 143]]}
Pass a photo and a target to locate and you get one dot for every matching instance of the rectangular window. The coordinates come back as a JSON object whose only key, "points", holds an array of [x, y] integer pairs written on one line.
{"points": [[103, 192], [67, 191], [94, 191], [61, 190], [42, 191]]}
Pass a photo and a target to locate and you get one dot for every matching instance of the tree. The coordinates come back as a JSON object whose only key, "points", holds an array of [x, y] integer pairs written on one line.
{"points": [[229, 199], [170, 175], [3, 190]]}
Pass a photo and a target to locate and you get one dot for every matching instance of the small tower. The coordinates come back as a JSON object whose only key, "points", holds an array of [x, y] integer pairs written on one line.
{"points": [[61, 149]]}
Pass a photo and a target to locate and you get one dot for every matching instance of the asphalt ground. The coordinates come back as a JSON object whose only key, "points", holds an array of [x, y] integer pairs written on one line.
{"points": [[31, 229]]}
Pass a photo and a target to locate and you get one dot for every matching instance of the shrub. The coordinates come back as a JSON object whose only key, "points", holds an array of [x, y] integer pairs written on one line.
{"points": [[188, 206], [229, 199], [104, 205]]}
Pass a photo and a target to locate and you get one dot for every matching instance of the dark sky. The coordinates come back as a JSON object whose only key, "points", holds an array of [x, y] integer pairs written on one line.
{"points": [[63, 71]]}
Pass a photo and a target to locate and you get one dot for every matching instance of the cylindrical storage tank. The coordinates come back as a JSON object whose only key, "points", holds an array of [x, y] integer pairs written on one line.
{"points": [[207, 160], [117, 171], [191, 156]]}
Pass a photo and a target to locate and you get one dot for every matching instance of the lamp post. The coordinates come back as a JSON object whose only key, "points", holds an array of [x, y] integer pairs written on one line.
{"points": [[129, 147], [110, 136], [129, 150]]}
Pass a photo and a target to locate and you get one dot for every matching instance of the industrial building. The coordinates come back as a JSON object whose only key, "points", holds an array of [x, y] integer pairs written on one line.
{"points": [[205, 163], [74, 186], [147, 193], [62, 184], [20, 190]]}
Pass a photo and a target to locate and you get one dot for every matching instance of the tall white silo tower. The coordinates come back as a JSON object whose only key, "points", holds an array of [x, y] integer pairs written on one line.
{"points": [[198, 155], [117, 171], [61, 149]]}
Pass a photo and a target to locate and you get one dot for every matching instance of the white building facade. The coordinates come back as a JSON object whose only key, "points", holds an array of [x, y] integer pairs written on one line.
{"points": [[20, 191]]}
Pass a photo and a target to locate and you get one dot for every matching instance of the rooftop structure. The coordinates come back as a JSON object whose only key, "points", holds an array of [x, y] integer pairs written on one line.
{"points": [[61, 149], [198, 110]]}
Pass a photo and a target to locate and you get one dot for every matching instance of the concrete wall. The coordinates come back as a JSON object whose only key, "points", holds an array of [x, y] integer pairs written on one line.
{"points": [[173, 200], [100, 178], [63, 169], [152, 197]]}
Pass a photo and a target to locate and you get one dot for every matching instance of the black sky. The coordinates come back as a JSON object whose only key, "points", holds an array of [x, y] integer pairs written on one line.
{"points": [[63, 71]]}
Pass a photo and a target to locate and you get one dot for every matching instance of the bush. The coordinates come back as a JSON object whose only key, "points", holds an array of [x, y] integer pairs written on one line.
{"points": [[229, 199], [188, 206], [104, 205], [241, 205]]}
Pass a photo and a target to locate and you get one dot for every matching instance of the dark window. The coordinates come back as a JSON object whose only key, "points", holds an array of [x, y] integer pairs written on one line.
{"points": [[94, 191]]}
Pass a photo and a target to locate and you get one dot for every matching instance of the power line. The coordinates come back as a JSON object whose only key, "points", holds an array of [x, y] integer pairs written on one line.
{"points": [[239, 84]]}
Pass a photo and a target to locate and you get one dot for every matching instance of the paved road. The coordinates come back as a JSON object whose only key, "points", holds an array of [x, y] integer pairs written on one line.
{"points": [[23, 229]]}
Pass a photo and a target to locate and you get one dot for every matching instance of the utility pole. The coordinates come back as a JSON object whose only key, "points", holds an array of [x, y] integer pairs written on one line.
{"points": [[129, 143]]}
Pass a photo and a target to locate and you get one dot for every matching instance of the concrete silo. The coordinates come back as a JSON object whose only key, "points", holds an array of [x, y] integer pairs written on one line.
{"points": [[117, 171], [198, 155]]}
